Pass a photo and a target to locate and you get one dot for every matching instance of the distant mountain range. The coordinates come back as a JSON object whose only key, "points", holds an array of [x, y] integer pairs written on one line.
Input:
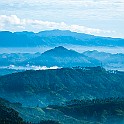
{"points": [[55, 38], [59, 57], [108, 60], [15, 58]]}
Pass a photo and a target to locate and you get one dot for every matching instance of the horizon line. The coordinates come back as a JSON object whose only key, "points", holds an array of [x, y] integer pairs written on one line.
{"points": [[60, 30]]}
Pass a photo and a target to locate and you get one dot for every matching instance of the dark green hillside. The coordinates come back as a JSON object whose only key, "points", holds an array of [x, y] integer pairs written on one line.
{"points": [[55, 86], [104, 111], [32, 115], [95, 111], [9, 115], [48, 122]]}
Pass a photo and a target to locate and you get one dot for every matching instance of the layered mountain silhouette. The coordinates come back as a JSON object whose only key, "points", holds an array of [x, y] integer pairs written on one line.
{"points": [[55, 38], [81, 91], [62, 57]]}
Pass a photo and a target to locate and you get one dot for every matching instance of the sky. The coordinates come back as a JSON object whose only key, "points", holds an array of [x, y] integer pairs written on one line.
{"points": [[97, 17]]}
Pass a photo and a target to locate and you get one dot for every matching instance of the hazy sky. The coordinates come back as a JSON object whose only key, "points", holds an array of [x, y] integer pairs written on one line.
{"points": [[99, 17]]}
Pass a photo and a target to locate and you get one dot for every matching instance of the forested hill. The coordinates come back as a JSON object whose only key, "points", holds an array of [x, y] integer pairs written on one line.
{"points": [[99, 111], [56, 86], [95, 111], [8, 115]]}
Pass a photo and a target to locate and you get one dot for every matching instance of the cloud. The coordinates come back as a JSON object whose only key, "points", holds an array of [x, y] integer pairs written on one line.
{"points": [[14, 23], [63, 3], [28, 67], [95, 14], [81, 9]]}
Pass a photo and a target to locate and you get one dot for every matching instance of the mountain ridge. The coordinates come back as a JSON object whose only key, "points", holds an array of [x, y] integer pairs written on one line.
{"points": [[55, 37], [45, 87]]}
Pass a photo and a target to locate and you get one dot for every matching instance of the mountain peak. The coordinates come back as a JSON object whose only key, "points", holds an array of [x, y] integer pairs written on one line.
{"points": [[57, 50], [60, 51], [60, 48]]}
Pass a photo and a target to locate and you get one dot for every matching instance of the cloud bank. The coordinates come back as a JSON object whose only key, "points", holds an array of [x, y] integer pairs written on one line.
{"points": [[14, 23], [87, 16], [28, 67]]}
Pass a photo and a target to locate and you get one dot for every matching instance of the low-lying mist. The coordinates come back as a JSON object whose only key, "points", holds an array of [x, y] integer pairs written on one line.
{"points": [[28, 67], [77, 48]]}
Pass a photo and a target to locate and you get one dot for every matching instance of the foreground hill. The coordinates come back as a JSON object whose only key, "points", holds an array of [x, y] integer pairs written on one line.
{"points": [[53, 38], [14, 113], [96, 111], [8, 115], [57, 86]]}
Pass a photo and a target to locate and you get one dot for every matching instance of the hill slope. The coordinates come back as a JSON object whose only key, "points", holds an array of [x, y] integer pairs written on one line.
{"points": [[8, 115], [56, 86], [99, 111]]}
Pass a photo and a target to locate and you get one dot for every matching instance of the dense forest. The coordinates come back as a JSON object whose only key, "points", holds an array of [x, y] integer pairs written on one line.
{"points": [[77, 95], [46, 87], [9, 115], [109, 110], [95, 111]]}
